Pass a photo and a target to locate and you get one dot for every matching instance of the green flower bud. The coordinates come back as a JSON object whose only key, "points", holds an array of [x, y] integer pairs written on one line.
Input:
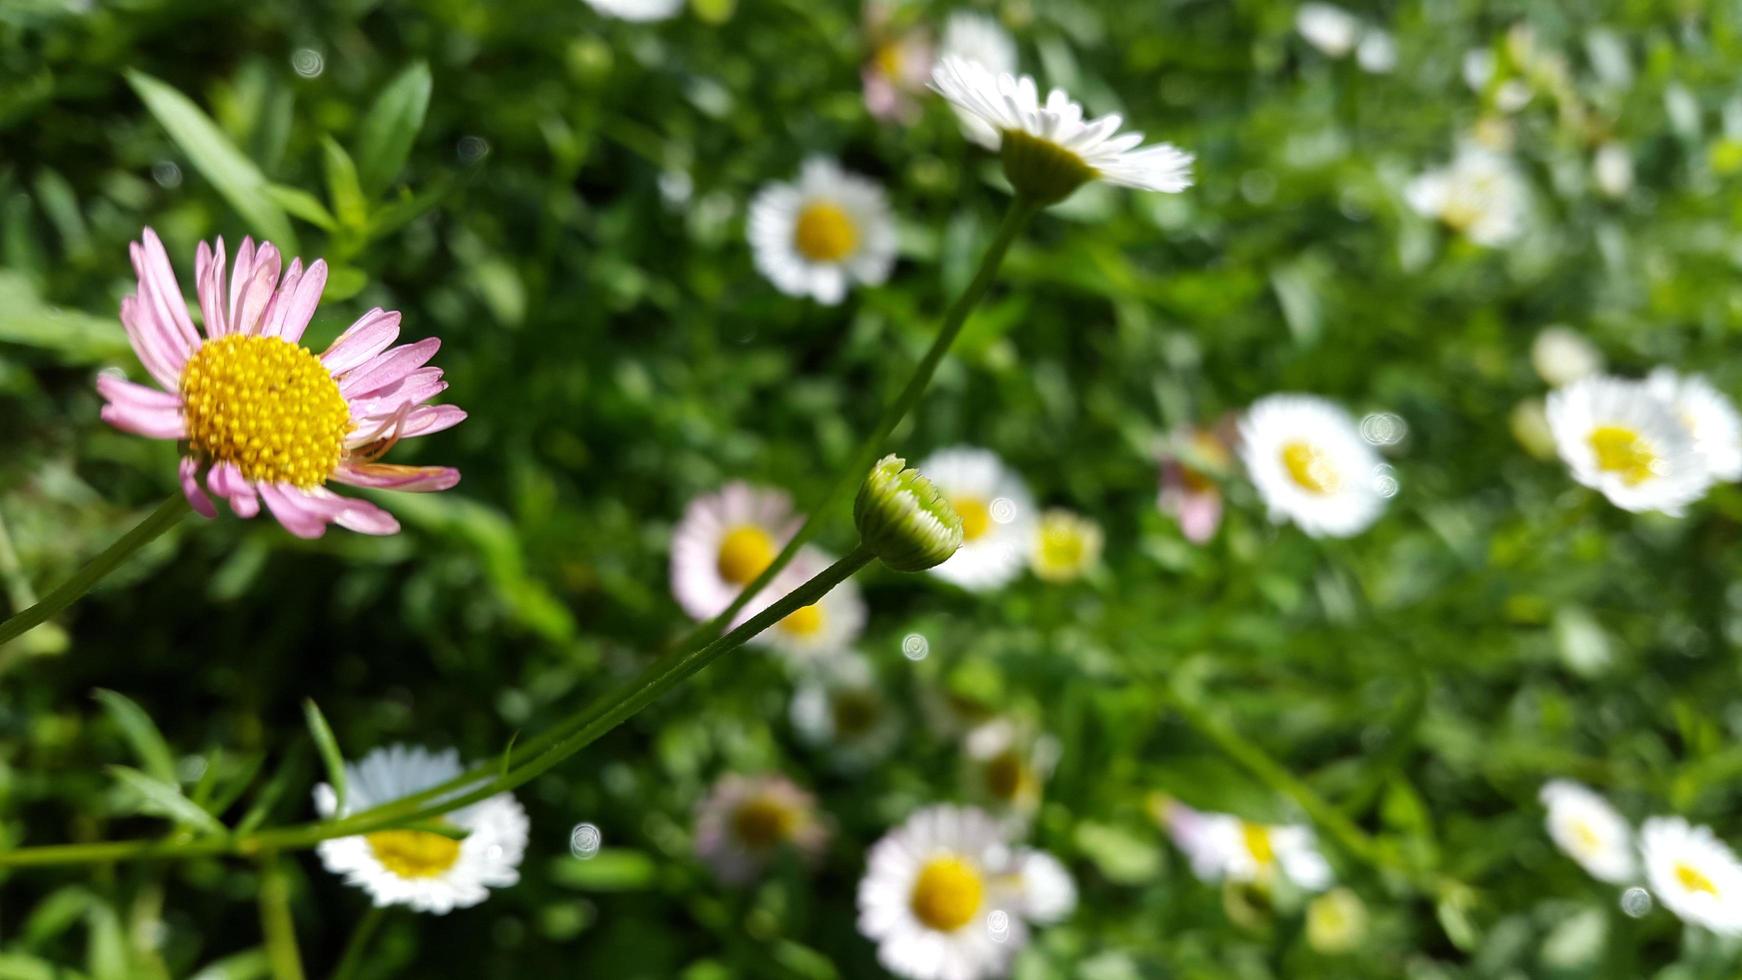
{"points": [[903, 518], [1041, 170]]}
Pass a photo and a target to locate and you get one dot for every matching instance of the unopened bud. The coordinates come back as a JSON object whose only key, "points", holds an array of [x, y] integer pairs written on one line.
{"points": [[903, 518]]}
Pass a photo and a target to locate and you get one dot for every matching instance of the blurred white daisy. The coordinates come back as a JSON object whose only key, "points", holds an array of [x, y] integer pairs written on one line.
{"points": [[1066, 546], [900, 63], [820, 234], [1311, 466], [947, 897], [1588, 830], [1612, 166], [747, 821], [1221, 846], [1480, 195], [1049, 147], [998, 517], [1695, 875], [978, 38], [1708, 416], [427, 871], [1377, 52], [809, 633], [840, 709], [1621, 438], [637, 10], [723, 542], [1009, 762], [1331, 29], [1562, 356]]}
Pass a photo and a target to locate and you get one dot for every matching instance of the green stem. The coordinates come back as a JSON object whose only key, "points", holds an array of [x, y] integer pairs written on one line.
{"points": [[1015, 219], [275, 921], [166, 516], [365, 931], [583, 729]]}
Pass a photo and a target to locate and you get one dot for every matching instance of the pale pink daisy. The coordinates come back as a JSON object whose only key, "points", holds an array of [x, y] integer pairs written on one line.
{"points": [[746, 821], [260, 417]]}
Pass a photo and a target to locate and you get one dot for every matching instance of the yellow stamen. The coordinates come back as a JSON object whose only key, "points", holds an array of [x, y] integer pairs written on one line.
{"points": [[1310, 468], [744, 552], [1586, 840], [804, 622], [1621, 450], [947, 894], [889, 60], [762, 822], [1256, 837], [414, 853], [266, 405], [976, 516], [1693, 880], [825, 232]]}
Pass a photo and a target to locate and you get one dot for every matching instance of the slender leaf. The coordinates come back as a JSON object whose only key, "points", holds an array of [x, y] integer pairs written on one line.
{"points": [[302, 204], [344, 191], [141, 733], [166, 800], [213, 155], [328, 746], [289, 771], [68, 336], [391, 127]]}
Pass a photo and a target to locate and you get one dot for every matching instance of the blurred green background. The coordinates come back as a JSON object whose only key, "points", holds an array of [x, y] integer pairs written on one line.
{"points": [[569, 220]]}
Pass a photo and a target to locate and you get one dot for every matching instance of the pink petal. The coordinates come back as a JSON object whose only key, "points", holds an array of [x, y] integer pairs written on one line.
{"points": [[141, 410], [299, 515], [356, 515], [426, 419], [156, 349], [119, 390], [1199, 516], [388, 368], [158, 284], [190, 486], [369, 336], [414, 389], [387, 476], [293, 309], [209, 282], [226, 480], [274, 312], [238, 279], [256, 292]]}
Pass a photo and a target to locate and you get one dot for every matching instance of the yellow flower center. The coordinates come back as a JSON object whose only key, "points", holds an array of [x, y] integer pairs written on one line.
{"points": [[268, 406], [1006, 775], [1310, 468], [1256, 837], [889, 60], [1065, 548], [947, 894], [804, 622], [1690, 878], [762, 822], [825, 232], [1586, 840], [1621, 450], [855, 711], [744, 552], [414, 853], [976, 516]]}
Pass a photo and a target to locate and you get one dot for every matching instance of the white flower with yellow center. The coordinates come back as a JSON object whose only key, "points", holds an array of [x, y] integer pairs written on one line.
{"points": [[1621, 438], [822, 233], [746, 821], [947, 897], [427, 871], [1693, 873], [1066, 546], [1585, 827], [840, 709], [1009, 763], [1480, 195], [637, 10], [724, 541], [829, 626], [978, 38], [1254, 853], [1311, 466], [998, 516], [1049, 148], [1708, 416]]}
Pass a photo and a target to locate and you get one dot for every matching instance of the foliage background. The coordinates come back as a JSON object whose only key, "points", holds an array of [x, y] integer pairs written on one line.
{"points": [[619, 355]]}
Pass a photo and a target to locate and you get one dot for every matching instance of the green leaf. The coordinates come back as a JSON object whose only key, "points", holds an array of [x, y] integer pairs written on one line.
{"points": [[289, 771], [213, 155], [165, 799], [20, 966], [246, 965], [391, 127], [331, 757], [302, 204], [68, 336], [344, 192], [610, 870], [508, 751], [141, 733]]}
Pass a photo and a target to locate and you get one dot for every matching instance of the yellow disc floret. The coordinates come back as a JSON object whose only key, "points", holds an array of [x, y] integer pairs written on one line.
{"points": [[268, 406], [947, 894], [976, 516], [744, 552], [1693, 879], [825, 232], [414, 853], [1310, 468], [761, 822], [1621, 450]]}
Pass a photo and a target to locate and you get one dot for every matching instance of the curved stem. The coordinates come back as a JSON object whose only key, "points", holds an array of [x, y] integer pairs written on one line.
{"points": [[583, 729], [275, 922], [166, 516], [352, 960]]}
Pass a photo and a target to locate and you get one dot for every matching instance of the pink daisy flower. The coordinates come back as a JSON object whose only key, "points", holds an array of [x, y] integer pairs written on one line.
{"points": [[260, 417]]}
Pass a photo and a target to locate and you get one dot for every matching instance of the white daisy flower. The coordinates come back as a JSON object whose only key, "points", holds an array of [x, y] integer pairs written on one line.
{"points": [[1588, 830], [1049, 148], [746, 821], [1221, 846], [1622, 439], [840, 709], [946, 897], [978, 38], [1066, 546], [724, 541], [637, 10], [1708, 416], [1331, 29], [818, 235], [998, 516], [427, 871], [1311, 466], [1562, 356], [1480, 195], [826, 627], [1693, 873], [1009, 763]]}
